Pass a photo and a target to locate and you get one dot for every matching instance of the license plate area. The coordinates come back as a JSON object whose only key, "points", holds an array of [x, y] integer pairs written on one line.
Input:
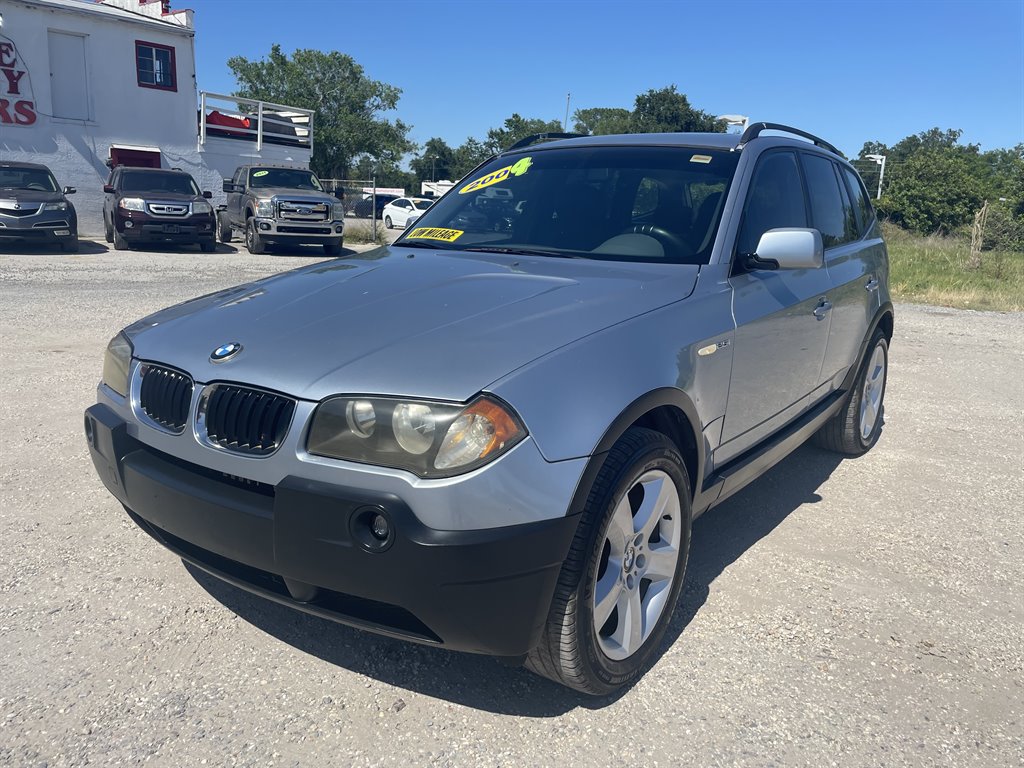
{"points": [[171, 229]]}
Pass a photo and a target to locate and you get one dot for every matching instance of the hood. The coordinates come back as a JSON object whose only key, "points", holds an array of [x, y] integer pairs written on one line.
{"points": [[398, 321], [167, 197], [12, 196], [263, 193]]}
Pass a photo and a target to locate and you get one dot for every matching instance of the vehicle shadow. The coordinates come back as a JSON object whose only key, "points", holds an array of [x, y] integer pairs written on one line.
{"points": [[85, 247], [720, 537]]}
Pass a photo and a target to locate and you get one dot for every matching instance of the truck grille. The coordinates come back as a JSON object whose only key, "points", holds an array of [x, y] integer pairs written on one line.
{"points": [[165, 396], [245, 420], [297, 210]]}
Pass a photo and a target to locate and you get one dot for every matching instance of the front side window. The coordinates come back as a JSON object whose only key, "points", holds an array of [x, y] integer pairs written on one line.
{"points": [[775, 200], [155, 66], [643, 204], [294, 178], [27, 178], [143, 181]]}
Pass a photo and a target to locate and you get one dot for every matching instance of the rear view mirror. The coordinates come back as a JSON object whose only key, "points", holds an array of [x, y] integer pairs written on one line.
{"points": [[69, 190], [108, 189], [207, 194], [788, 248]]}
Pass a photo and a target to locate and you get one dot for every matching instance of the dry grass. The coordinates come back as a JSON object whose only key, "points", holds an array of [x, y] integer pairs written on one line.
{"points": [[933, 270], [360, 233]]}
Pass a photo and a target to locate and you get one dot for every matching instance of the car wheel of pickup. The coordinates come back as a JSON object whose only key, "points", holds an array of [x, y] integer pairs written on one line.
{"points": [[224, 233], [332, 249], [858, 424], [621, 579], [253, 242]]}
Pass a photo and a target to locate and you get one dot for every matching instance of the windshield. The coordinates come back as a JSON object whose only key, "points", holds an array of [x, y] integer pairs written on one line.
{"points": [[28, 178], [620, 203], [145, 181], [294, 178], [422, 205]]}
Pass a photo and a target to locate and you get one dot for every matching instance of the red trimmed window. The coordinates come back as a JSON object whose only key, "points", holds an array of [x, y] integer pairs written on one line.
{"points": [[155, 66]]}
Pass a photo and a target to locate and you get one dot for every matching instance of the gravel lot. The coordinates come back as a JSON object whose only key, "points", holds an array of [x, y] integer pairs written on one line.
{"points": [[859, 613]]}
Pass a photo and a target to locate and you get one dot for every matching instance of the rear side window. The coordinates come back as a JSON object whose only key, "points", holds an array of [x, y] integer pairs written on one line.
{"points": [[828, 204], [775, 200], [865, 213]]}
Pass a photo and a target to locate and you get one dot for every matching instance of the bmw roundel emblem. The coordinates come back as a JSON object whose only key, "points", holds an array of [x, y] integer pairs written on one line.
{"points": [[225, 352]]}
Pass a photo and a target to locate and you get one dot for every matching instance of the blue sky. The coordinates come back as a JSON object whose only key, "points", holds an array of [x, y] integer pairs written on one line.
{"points": [[848, 71]]}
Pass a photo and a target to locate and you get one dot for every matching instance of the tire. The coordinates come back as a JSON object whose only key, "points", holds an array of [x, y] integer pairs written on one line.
{"points": [[108, 231], [70, 246], [387, 222], [855, 429], [120, 244], [208, 246], [224, 231], [253, 242], [332, 249], [573, 649]]}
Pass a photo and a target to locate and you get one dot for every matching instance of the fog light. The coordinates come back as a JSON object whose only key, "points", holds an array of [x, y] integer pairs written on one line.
{"points": [[128, 225], [381, 528], [265, 226], [62, 232], [339, 228]]}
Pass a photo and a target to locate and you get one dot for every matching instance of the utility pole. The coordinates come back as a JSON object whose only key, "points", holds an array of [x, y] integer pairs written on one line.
{"points": [[880, 160], [565, 122]]}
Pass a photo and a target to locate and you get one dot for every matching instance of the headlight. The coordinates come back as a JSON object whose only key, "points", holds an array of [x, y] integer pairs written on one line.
{"points": [[132, 204], [429, 439], [201, 206], [338, 211], [116, 362], [61, 206], [265, 208]]}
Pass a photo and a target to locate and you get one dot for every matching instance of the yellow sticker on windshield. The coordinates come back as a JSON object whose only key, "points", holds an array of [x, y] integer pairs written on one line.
{"points": [[516, 169], [260, 173], [435, 233], [701, 159]]}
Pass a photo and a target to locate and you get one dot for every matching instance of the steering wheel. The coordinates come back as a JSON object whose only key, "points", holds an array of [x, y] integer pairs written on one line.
{"points": [[669, 240]]}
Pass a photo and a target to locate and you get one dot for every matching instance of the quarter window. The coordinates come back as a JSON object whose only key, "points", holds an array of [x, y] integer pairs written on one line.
{"points": [[155, 66], [776, 199], [860, 200]]}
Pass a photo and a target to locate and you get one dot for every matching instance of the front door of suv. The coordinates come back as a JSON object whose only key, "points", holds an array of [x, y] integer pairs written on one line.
{"points": [[782, 316]]}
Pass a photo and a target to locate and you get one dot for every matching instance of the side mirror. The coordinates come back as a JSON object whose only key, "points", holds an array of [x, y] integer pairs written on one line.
{"points": [[229, 185], [788, 248], [69, 190], [108, 189], [207, 194]]}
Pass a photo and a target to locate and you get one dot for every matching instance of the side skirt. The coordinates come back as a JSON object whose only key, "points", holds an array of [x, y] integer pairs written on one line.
{"points": [[746, 468]]}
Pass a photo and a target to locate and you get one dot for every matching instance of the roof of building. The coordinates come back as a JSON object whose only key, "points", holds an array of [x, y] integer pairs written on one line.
{"points": [[98, 7]]}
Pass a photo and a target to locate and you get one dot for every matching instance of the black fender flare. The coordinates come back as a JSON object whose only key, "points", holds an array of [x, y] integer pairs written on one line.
{"points": [[885, 310], [627, 417]]}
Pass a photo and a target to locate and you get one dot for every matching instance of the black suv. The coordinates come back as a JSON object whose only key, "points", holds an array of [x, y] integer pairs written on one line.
{"points": [[151, 205], [34, 209]]}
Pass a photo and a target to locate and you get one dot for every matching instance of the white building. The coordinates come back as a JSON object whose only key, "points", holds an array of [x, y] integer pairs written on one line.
{"points": [[87, 85]]}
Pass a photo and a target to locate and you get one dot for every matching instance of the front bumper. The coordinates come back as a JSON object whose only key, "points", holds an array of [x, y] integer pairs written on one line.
{"points": [[141, 227], [55, 229], [283, 231], [299, 542]]}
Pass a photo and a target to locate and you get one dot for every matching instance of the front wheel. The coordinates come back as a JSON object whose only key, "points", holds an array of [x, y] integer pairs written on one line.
{"points": [[253, 242], [108, 230], [332, 249], [70, 246], [624, 572], [208, 246], [855, 429]]}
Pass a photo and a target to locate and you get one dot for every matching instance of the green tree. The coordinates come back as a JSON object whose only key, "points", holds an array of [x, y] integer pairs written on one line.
{"points": [[665, 110], [467, 157], [434, 162], [347, 104], [516, 128], [934, 190], [602, 121]]}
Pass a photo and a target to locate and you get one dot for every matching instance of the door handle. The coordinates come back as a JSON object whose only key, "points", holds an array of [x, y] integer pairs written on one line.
{"points": [[823, 308], [872, 285]]}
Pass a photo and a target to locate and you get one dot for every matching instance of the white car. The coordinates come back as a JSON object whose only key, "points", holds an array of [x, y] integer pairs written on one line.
{"points": [[404, 211]]}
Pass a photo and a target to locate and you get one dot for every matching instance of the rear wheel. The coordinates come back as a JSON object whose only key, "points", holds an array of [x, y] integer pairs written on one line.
{"points": [[621, 580], [253, 242], [855, 429], [224, 232]]}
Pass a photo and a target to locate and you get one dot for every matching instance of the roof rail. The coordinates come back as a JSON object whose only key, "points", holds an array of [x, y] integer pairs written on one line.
{"points": [[754, 130], [543, 137]]}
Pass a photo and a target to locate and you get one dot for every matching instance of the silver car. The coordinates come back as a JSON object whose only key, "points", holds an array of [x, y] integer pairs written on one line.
{"points": [[494, 434]]}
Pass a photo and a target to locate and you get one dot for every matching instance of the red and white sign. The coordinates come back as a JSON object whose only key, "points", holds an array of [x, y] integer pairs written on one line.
{"points": [[17, 106]]}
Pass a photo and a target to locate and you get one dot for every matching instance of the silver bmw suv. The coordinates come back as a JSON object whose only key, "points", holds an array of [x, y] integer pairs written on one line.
{"points": [[494, 434]]}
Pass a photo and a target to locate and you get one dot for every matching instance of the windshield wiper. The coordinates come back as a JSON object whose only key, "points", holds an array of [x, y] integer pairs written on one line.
{"points": [[523, 251]]}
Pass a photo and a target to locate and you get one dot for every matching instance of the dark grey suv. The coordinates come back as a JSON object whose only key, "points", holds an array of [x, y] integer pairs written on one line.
{"points": [[494, 434], [34, 208]]}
